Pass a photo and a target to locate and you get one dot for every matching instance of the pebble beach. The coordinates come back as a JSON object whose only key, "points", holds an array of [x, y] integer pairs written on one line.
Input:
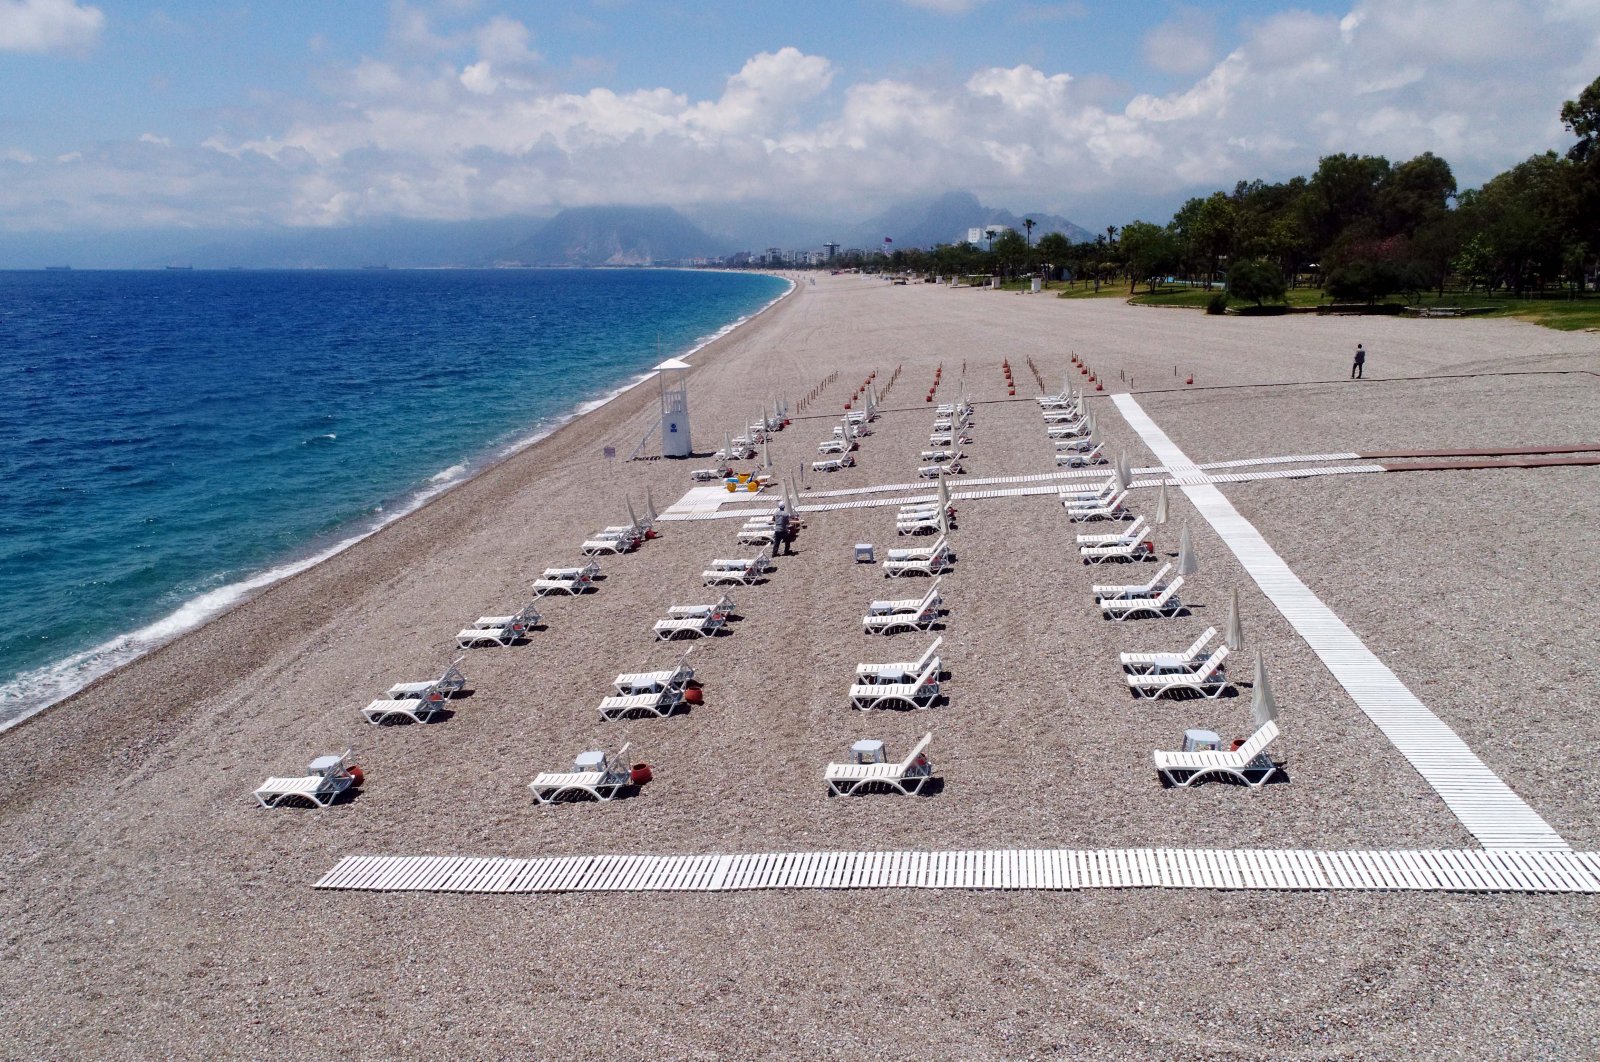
{"points": [[152, 909]]}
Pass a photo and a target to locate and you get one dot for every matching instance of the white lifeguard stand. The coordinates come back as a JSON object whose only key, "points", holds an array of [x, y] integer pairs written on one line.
{"points": [[673, 378]]}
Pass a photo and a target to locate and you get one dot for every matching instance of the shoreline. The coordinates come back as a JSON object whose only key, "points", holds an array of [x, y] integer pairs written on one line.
{"points": [[196, 613]]}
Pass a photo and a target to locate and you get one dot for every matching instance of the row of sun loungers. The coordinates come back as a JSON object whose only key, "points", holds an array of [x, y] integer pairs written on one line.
{"points": [[743, 570]]}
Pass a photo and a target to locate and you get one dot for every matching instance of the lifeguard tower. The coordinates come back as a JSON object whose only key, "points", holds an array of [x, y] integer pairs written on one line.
{"points": [[672, 376]]}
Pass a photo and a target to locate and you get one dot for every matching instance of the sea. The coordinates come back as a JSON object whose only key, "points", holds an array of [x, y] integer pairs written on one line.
{"points": [[178, 439]]}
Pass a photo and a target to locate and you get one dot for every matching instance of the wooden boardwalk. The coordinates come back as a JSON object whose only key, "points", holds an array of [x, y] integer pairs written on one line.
{"points": [[1486, 806], [1028, 868]]}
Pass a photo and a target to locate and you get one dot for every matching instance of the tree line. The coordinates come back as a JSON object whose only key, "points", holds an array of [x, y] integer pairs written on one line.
{"points": [[1360, 227]]}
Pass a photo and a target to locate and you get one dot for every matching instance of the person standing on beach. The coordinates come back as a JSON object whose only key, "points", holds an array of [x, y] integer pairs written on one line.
{"points": [[1361, 360], [782, 531]]}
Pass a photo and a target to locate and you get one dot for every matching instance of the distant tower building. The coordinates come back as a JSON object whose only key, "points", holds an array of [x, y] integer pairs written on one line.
{"points": [[673, 377], [832, 250]]}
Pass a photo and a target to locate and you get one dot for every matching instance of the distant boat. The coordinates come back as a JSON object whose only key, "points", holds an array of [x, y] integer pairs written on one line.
{"points": [[183, 269], [375, 267], [58, 269]]}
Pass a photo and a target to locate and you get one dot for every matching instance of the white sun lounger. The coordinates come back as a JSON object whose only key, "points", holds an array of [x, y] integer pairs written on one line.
{"points": [[659, 704], [522, 622], [572, 581], [1059, 417], [1164, 604], [447, 683], [394, 709], [889, 606], [689, 627], [1080, 459], [631, 683], [1149, 663], [834, 464], [602, 784], [703, 475], [903, 671], [1209, 680], [1101, 494], [940, 457], [1113, 591], [1111, 510], [1139, 549], [919, 552], [472, 637], [955, 468], [935, 562], [604, 543], [919, 619], [906, 777], [920, 525], [324, 780], [1067, 431], [835, 446], [1250, 764], [919, 693], [756, 535], [1130, 533], [723, 607]]}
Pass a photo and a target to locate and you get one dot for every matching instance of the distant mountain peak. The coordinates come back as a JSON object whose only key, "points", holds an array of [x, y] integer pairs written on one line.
{"points": [[614, 235], [948, 217]]}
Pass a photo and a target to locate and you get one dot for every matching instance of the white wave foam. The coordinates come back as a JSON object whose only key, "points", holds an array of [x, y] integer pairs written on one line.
{"points": [[34, 691]]}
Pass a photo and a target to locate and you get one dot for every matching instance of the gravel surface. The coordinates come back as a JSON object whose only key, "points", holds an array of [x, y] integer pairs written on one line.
{"points": [[150, 909]]}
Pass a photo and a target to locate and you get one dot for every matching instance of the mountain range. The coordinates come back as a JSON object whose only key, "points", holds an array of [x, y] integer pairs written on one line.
{"points": [[578, 236]]}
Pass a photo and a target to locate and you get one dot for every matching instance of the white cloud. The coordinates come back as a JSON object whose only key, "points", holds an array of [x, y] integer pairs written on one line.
{"points": [[479, 132], [48, 25], [151, 138]]}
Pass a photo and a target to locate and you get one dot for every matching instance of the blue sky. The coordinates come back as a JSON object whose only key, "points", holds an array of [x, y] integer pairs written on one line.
{"points": [[127, 114]]}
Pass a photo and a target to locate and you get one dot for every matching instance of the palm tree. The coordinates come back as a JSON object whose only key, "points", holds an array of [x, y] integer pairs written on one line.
{"points": [[990, 234], [1111, 234], [1027, 224]]}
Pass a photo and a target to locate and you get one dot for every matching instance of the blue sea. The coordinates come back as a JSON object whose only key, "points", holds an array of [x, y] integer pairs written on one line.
{"points": [[177, 439]]}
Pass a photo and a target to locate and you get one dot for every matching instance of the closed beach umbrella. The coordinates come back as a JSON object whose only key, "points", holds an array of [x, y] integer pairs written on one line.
{"points": [[632, 519], [727, 446], [1125, 469], [650, 505], [944, 491], [766, 453], [1161, 505], [1235, 640], [1188, 563], [1263, 709], [1116, 472], [944, 521]]}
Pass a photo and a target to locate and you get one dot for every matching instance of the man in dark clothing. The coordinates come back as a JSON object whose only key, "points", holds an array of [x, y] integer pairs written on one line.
{"points": [[782, 531], [1361, 360]]}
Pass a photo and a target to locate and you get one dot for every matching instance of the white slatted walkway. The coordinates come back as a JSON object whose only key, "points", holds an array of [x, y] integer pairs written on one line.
{"points": [[1486, 806], [1188, 478], [1475, 870]]}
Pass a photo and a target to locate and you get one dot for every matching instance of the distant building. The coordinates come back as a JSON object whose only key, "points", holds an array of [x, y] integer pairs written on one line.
{"points": [[830, 251], [981, 235]]}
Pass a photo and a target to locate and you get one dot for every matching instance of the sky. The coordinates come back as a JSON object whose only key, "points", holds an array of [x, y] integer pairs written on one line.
{"points": [[122, 114]]}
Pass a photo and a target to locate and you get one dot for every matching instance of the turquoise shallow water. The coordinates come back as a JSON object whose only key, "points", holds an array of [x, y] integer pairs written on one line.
{"points": [[177, 437]]}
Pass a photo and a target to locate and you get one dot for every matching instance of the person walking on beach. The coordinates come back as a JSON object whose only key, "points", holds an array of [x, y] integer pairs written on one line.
{"points": [[782, 531], [1361, 360]]}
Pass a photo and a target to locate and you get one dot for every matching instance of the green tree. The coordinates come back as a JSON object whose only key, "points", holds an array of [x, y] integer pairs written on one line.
{"points": [[1151, 251], [1256, 279], [1054, 250]]}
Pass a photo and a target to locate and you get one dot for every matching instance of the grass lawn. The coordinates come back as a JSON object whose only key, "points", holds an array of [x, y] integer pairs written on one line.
{"points": [[1570, 315]]}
